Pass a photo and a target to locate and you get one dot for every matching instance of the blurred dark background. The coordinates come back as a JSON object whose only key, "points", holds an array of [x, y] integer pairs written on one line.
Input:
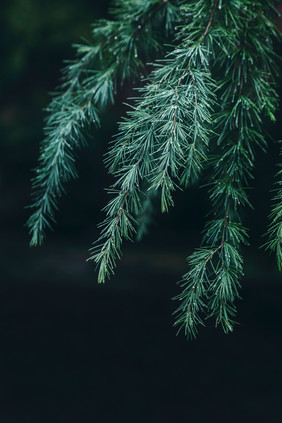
{"points": [[73, 351]]}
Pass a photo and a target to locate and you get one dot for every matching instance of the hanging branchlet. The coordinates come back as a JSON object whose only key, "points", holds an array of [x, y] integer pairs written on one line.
{"points": [[162, 141], [211, 286], [118, 51]]}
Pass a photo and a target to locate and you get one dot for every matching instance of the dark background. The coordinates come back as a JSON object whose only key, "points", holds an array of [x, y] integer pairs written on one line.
{"points": [[74, 351]]}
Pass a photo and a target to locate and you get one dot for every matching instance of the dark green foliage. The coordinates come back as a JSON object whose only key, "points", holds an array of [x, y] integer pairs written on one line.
{"points": [[146, 216], [203, 105], [275, 228], [118, 51], [245, 94]]}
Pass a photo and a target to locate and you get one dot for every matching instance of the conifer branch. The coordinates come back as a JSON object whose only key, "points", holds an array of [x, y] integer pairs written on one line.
{"points": [[119, 50], [202, 106], [154, 140], [211, 286]]}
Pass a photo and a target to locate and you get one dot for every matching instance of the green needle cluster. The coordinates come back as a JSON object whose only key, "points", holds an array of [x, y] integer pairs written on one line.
{"points": [[203, 106]]}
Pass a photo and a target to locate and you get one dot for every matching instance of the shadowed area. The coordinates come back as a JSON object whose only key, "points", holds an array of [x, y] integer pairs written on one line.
{"points": [[75, 351]]}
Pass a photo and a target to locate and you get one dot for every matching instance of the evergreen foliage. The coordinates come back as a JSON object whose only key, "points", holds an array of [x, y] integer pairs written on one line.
{"points": [[275, 227], [118, 51], [202, 106]]}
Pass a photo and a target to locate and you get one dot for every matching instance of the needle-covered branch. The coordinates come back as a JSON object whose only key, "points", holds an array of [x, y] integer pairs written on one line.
{"points": [[163, 140], [211, 85], [118, 51], [211, 285]]}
